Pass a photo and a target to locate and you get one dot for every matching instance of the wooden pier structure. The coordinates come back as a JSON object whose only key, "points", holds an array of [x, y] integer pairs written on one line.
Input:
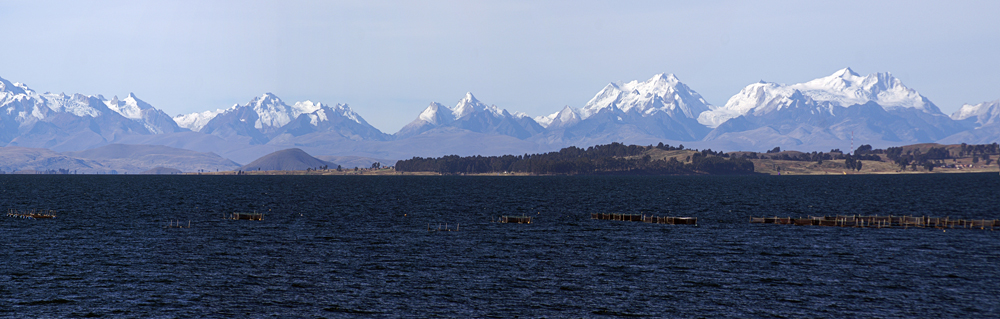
{"points": [[446, 227], [646, 218], [32, 214], [880, 221], [177, 224], [246, 216], [524, 219]]}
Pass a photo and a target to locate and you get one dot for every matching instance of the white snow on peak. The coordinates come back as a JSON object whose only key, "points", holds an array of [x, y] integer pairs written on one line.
{"points": [[306, 107], [433, 114], [345, 111], [271, 111], [566, 116], [662, 92], [196, 121], [312, 110], [438, 114], [130, 107], [468, 105], [13, 88], [985, 113], [841, 89], [76, 104], [34, 106], [848, 88]]}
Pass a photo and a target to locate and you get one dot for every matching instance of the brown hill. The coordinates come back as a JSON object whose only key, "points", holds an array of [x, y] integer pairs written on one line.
{"points": [[292, 159]]}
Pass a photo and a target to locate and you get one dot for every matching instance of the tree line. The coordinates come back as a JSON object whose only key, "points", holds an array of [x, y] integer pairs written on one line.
{"points": [[614, 158], [863, 152]]}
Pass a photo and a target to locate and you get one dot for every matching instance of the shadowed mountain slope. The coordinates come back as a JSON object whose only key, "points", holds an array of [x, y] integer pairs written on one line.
{"points": [[292, 159]]}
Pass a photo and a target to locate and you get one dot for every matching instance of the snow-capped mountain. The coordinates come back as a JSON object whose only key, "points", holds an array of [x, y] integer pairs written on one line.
{"points": [[73, 122], [155, 120], [841, 89], [983, 121], [660, 108], [195, 121], [565, 117], [661, 93], [876, 109], [824, 113], [472, 115], [982, 114], [267, 116]]}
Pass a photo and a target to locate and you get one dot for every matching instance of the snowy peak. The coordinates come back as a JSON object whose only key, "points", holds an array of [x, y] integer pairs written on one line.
{"points": [[33, 107], [469, 99], [661, 93], [471, 114], [12, 88], [841, 89], [76, 104], [268, 113], [565, 117], [322, 113], [469, 105], [156, 121], [846, 72], [985, 113], [267, 117], [131, 107], [436, 114], [196, 121], [846, 88], [271, 111]]}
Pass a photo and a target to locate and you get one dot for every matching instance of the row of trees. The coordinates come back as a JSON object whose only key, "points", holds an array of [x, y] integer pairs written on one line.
{"points": [[861, 153], [614, 158], [853, 163], [979, 149]]}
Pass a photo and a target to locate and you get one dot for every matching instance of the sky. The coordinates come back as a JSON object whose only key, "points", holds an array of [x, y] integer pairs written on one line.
{"points": [[389, 60]]}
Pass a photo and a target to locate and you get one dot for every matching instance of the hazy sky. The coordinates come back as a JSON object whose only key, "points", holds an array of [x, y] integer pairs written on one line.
{"points": [[389, 60]]}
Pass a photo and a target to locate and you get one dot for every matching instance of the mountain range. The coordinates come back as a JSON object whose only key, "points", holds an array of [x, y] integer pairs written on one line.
{"points": [[828, 112], [111, 159]]}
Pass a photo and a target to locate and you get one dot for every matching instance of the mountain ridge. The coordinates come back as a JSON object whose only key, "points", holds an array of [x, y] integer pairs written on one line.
{"points": [[829, 111]]}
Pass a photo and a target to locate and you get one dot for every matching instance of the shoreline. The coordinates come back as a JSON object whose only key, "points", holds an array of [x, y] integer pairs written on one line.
{"points": [[832, 172]]}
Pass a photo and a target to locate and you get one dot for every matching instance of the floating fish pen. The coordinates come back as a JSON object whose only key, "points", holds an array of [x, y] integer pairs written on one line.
{"points": [[177, 224], [32, 214], [446, 227], [646, 218], [514, 219], [880, 221], [246, 216]]}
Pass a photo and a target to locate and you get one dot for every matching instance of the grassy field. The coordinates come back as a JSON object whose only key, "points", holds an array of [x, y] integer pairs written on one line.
{"points": [[773, 167]]}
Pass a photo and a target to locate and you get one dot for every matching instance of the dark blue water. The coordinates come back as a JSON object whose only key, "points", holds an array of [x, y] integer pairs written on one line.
{"points": [[346, 246]]}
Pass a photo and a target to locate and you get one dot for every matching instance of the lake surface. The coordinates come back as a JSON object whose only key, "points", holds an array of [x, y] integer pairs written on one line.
{"points": [[349, 246]]}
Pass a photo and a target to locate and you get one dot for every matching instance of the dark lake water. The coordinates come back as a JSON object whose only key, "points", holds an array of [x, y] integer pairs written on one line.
{"points": [[342, 246]]}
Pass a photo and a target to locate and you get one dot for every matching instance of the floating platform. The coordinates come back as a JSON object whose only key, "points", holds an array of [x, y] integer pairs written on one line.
{"points": [[880, 221], [177, 224], [246, 216], [446, 227], [32, 214], [646, 218], [524, 219]]}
